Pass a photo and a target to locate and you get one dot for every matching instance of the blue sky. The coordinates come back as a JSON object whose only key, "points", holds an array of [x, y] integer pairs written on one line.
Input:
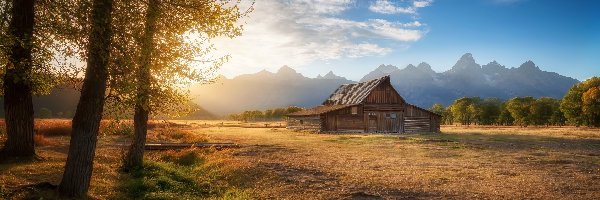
{"points": [[354, 37]]}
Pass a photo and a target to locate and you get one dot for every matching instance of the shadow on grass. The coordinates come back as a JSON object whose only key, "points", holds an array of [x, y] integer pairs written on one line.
{"points": [[185, 176], [515, 142]]}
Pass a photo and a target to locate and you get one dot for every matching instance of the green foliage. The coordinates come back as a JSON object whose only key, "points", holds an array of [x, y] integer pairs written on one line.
{"points": [[542, 110], [52, 44], [490, 109], [505, 117], [189, 158], [269, 114], [581, 104], [180, 52], [183, 175], [117, 127], [163, 181], [465, 110], [437, 108], [446, 113], [519, 108], [45, 113]]}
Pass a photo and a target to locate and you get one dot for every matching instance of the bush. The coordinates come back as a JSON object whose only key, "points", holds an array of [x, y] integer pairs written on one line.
{"points": [[162, 181], [53, 127], [183, 158], [117, 128], [40, 140]]}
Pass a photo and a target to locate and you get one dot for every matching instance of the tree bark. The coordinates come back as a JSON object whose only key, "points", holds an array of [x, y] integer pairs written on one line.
{"points": [[18, 105], [135, 155], [78, 169]]}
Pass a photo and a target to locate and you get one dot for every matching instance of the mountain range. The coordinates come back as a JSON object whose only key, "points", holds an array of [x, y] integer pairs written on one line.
{"points": [[419, 85]]}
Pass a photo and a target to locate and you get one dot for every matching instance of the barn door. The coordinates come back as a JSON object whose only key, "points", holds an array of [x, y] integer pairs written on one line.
{"points": [[401, 122], [392, 122], [372, 124]]}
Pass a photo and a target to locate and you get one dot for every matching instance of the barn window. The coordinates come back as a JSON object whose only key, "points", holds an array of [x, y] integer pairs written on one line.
{"points": [[393, 115], [354, 110]]}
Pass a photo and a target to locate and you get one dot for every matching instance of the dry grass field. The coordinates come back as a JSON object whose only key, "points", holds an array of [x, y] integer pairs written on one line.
{"points": [[460, 163]]}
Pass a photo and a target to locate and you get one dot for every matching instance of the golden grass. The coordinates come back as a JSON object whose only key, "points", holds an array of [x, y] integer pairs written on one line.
{"points": [[461, 163], [470, 164]]}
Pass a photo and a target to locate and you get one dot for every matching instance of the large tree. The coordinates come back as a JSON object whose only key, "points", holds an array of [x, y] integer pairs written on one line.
{"points": [[171, 51], [79, 165], [505, 118], [542, 109], [18, 105], [519, 108], [582, 102], [34, 40], [466, 110], [490, 111]]}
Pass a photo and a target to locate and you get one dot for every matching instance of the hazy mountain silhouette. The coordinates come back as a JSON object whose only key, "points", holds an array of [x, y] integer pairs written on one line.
{"points": [[62, 101], [264, 90], [419, 85]]}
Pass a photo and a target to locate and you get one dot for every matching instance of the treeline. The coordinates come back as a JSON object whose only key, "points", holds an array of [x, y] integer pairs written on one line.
{"points": [[579, 107], [267, 115]]}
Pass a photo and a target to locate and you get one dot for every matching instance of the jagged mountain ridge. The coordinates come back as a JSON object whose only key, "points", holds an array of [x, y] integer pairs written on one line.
{"points": [[419, 85], [423, 86]]}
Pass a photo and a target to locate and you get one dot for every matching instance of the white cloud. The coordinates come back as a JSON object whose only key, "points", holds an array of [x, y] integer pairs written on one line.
{"points": [[298, 32], [319, 6], [421, 4], [389, 7]]}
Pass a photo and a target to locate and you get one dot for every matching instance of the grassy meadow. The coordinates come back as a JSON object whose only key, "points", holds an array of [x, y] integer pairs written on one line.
{"points": [[474, 162]]}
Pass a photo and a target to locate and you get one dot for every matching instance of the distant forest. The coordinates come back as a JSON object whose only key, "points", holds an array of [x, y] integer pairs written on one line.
{"points": [[579, 107], [266, 115]]}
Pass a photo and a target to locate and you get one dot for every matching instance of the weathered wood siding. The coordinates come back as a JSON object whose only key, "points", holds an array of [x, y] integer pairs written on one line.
{"points": [[383, 121], [419, 120], [384, 94], [344, 120]]}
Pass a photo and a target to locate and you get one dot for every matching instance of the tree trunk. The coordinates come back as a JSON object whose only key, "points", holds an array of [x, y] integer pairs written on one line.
{"points": [[78, 169], [135, 156], [18, 106]]}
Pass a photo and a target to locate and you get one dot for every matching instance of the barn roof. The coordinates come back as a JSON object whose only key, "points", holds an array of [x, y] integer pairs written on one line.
{"points": [[354, 93], [319, 110]]}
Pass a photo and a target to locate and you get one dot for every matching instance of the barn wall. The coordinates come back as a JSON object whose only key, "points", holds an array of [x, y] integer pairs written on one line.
{"points": [[419, 120], [383, 121], [312, 123], [344, 121]]}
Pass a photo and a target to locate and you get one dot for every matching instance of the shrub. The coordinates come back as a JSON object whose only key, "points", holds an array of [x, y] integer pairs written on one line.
{"points": [[40, 140], [183, 158], [53, 127], [189, 158], [117, 128], [162, 181]]}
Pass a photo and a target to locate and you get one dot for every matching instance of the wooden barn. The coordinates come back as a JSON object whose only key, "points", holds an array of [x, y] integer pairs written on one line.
{"points": [[372, 107]]}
